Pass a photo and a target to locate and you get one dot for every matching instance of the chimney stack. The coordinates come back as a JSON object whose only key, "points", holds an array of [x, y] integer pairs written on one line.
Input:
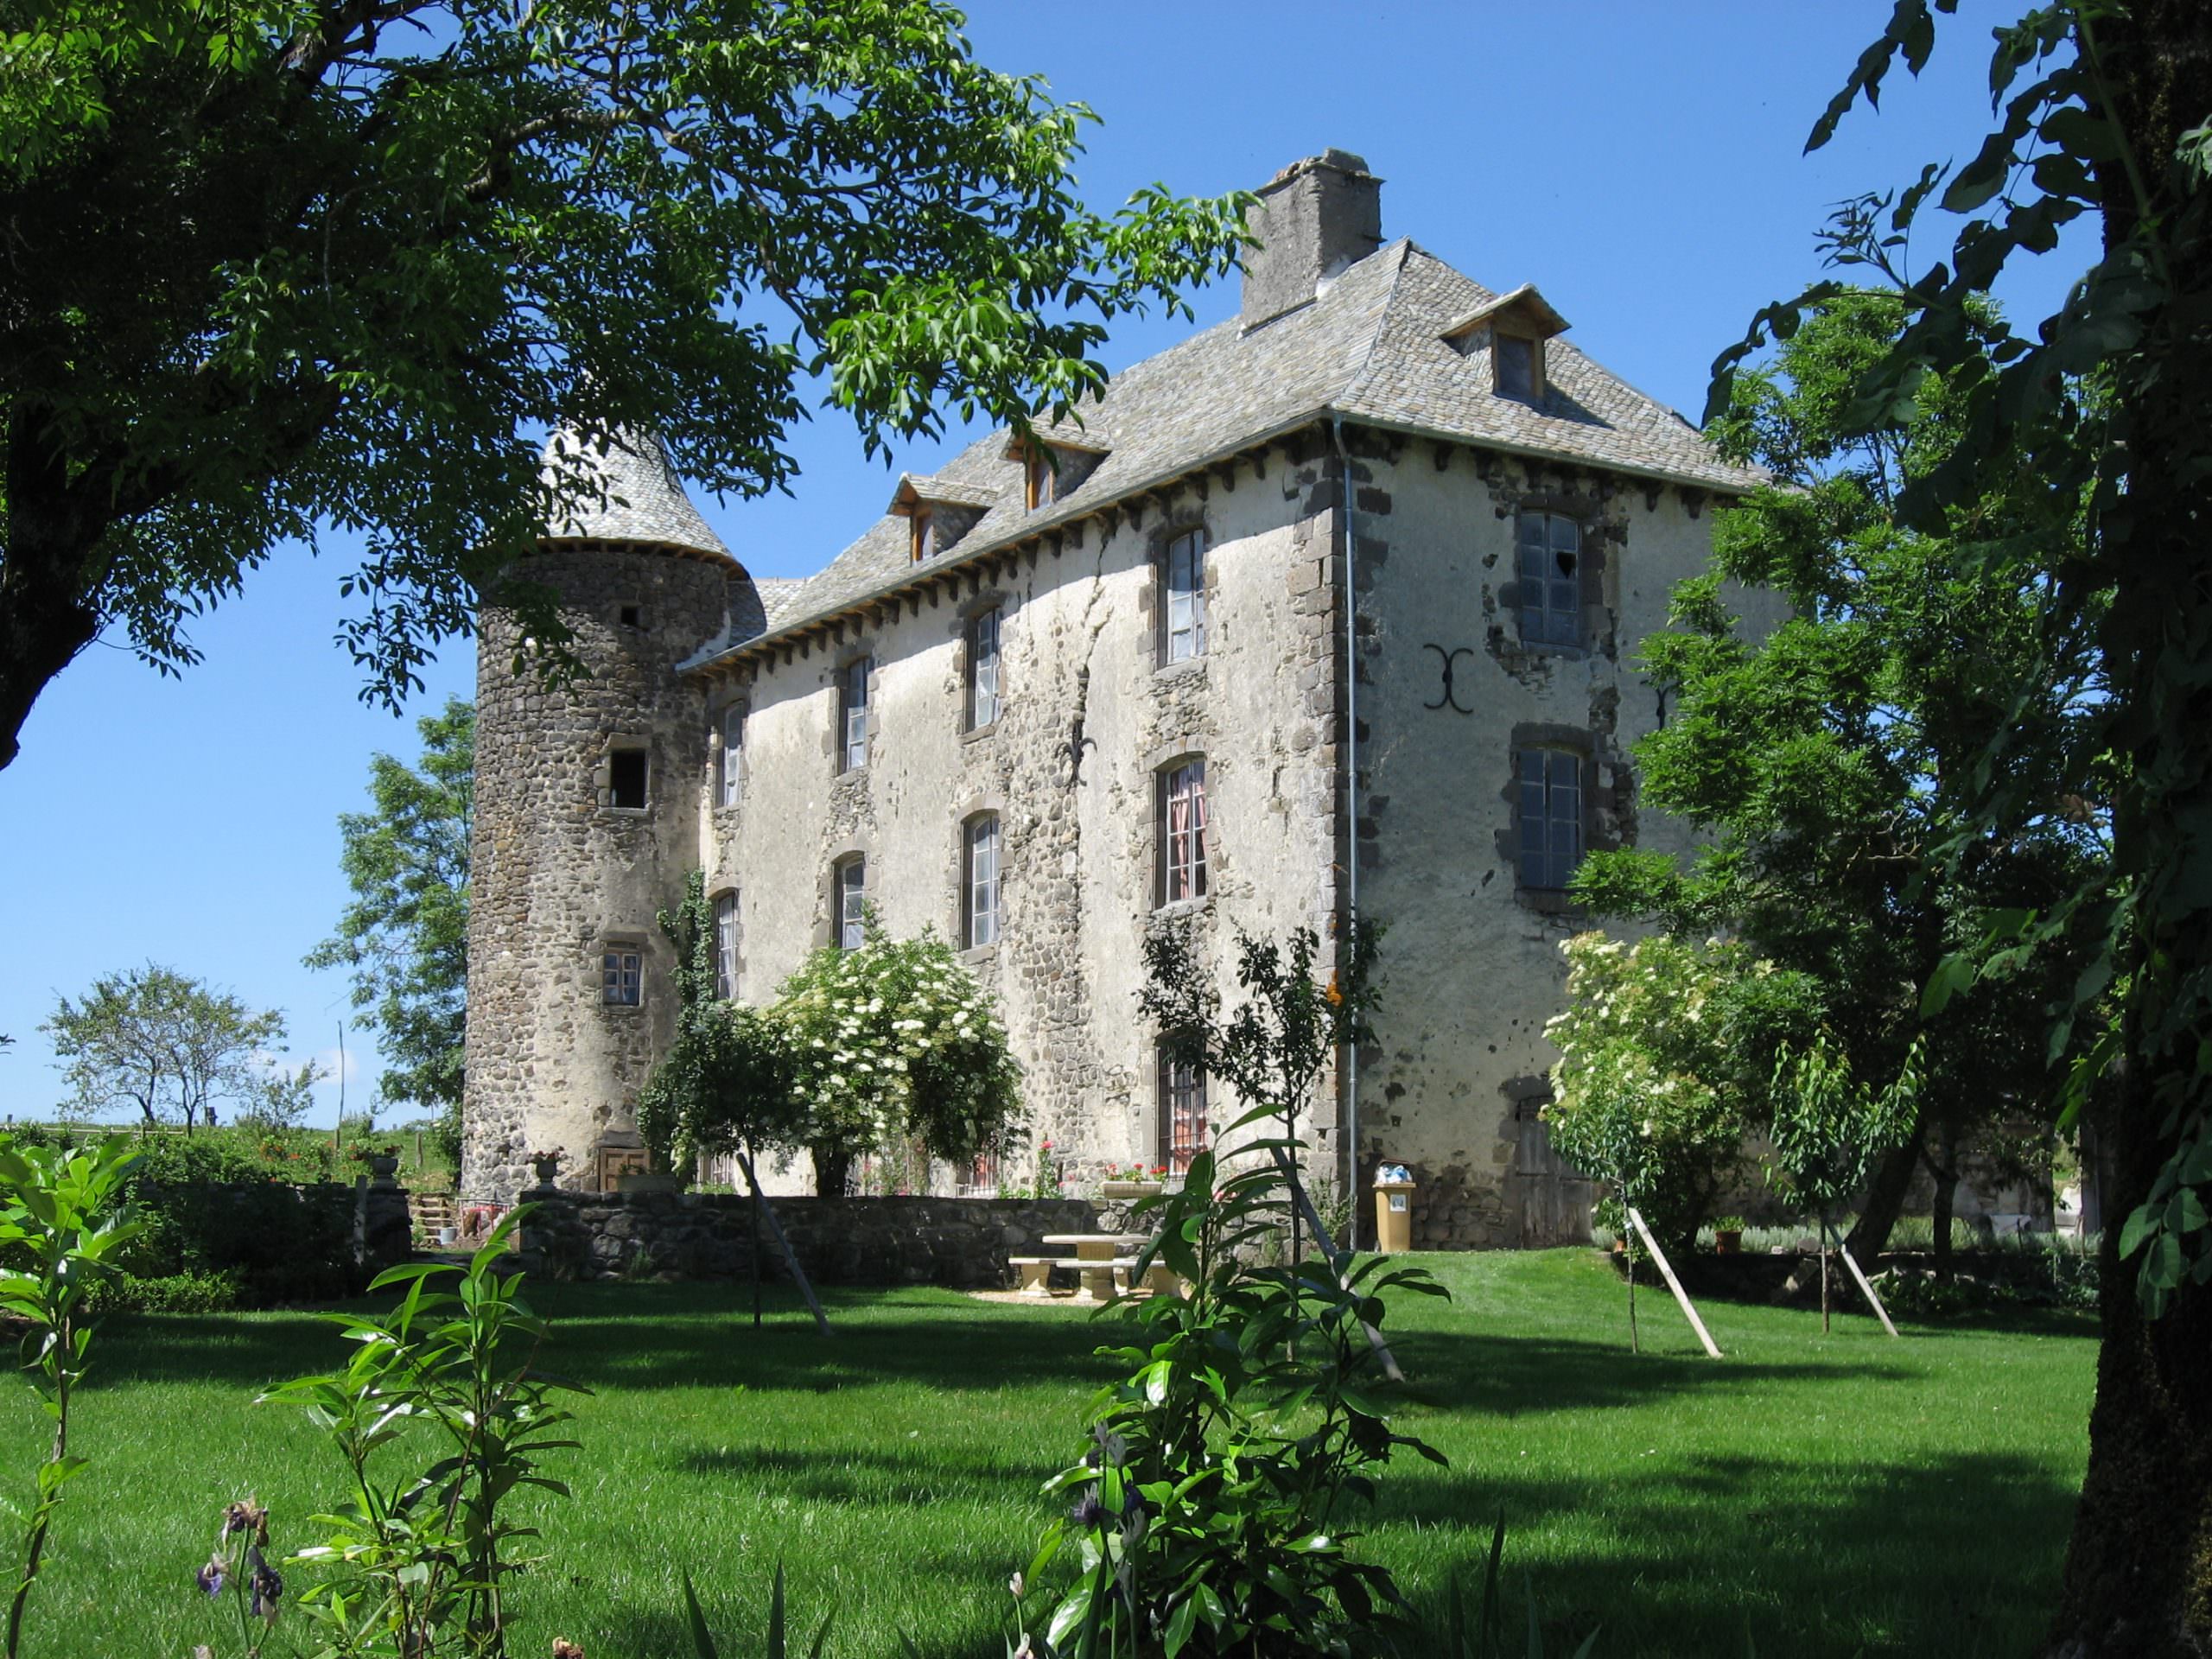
{"points": [[1313, 219]]}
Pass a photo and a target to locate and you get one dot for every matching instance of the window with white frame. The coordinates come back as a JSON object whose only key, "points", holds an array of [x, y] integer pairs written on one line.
{"points": [[726, 947], [852, 713], [1183, 594], [1181, 1094], [849, 893], [1181, 832], [983, 668], [622, 976], [733, 756], [979, 881], [1549, 565], [1551, 817]]}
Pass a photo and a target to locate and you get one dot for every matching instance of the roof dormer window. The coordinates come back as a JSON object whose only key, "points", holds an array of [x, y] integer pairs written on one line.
{"points": [[1041, 470], [938, 512], [1517, 368], [1514, 326]]}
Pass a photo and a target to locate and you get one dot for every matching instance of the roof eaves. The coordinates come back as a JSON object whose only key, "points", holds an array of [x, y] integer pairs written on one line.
{"points": [[1040, 524]]}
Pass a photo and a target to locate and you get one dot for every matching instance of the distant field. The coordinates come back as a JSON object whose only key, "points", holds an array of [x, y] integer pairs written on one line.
{"points": [[1819, 1497]]}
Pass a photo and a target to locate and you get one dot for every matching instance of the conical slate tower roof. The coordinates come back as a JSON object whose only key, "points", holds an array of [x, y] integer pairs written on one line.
{"points": [[639, 496]]}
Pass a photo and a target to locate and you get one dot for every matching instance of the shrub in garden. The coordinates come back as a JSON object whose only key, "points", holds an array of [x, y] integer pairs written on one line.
{"points": [[726, 1083], [884, 1048], [1665, 1062], [1209, 1513], [895, 1042], [1828, 1129]]}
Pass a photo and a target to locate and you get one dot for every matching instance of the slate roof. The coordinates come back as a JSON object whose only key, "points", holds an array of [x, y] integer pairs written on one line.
{"points": [[633, 495], [1369, 348]]}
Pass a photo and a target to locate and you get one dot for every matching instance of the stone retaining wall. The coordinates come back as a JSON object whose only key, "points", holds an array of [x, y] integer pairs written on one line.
{"points": [[965, 1243]]}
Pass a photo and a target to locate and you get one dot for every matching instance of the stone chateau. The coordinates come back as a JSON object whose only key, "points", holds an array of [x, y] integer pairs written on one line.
{"points": [[1329, 607]]}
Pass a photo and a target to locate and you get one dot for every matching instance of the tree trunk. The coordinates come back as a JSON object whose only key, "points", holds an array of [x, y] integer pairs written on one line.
{"points": [[48, 613], [2139, 1567], [1939, 1219], [1885, 1202], [833, 1170], [1942, 1162]]}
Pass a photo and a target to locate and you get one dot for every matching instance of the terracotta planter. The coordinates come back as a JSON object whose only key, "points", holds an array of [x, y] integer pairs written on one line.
{"points": [[1130, 1189], [1727, 1241]]}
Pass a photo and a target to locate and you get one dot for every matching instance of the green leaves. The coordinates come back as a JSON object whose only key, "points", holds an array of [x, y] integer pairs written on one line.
{"points": [[1211, 1509], [390, 247]]}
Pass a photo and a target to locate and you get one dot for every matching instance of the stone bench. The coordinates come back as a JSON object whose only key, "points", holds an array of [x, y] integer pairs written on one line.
{"points": [[1103, 1277]]}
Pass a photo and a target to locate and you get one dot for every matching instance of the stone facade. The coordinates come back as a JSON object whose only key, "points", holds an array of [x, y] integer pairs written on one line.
{"points": [[1362, 702]]}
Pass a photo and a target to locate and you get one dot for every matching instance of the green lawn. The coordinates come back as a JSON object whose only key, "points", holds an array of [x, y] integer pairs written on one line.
{"points": [[1824, 1496]]}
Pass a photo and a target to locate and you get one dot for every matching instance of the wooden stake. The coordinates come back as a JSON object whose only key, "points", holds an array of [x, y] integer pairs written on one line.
{"points": [[1666, 1272], [791, 1257], [1329, 1249], [1875, 1301]]}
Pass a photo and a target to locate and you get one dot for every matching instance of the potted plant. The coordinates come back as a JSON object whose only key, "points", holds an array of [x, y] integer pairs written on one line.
{"points": [[1131, 1183], [547, 1165], [1728, 1235]]}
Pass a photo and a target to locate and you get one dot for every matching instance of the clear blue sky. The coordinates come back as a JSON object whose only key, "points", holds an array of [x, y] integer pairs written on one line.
{"points": [[1640, 162]]}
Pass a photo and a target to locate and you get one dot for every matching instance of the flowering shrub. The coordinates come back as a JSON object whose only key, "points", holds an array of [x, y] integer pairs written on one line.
{"points": [[895, 1042], [891, 1048], [1666, 1056]]}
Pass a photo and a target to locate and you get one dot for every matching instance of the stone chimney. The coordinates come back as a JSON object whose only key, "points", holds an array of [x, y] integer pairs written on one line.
{"points": [[1313, 218]]}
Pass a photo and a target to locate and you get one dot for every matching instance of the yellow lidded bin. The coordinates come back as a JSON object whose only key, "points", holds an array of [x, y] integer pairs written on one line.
{"points": [[1394, 1209]]}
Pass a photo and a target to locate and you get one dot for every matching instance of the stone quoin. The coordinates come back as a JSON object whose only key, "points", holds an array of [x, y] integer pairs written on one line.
{"points": [[1331, 605]]}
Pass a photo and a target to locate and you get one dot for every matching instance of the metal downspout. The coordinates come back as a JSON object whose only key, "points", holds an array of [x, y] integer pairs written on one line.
{"points": [[1351, 1123]]}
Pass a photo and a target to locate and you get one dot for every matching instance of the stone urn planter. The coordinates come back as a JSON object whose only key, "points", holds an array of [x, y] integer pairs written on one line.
{"points": [[1130, 1189], [383, 1167], [545, 1169]]}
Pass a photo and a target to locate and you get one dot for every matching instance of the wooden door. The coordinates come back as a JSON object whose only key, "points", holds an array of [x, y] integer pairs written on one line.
{"points": [[1553, 1199]]}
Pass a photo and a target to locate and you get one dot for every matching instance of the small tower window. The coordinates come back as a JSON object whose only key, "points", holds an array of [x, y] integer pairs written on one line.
{"points": [[625, 780], [922, 527], [622, 976], [633, 616]]}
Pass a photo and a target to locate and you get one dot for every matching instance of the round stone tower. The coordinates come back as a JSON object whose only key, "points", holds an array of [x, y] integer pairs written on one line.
{"points": [[588, 801]]}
